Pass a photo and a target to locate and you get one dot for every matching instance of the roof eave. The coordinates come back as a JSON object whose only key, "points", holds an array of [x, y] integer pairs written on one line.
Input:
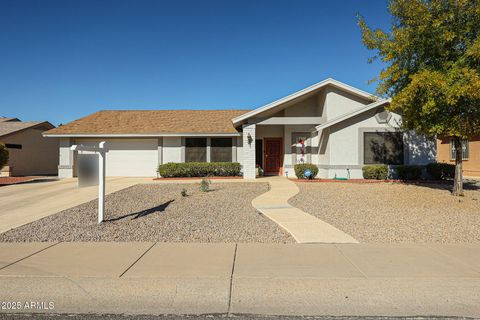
{"points": [[137, 135], [344, 117]]}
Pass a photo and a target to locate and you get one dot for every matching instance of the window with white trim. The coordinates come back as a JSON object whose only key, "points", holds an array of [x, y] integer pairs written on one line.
{"points": [[221, 150], [195, 149], [383, 148], [464, 149]]}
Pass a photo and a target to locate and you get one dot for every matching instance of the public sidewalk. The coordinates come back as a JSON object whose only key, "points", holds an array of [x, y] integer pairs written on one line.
{"points": [[303, 227], [190, 278]]}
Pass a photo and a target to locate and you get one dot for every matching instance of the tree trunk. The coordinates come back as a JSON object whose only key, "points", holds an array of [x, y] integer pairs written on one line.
{"points": [[458, 180]]}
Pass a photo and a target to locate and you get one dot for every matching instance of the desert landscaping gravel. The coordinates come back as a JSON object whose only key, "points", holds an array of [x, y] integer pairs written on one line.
{"points": [[155, 212], [394, 212]]}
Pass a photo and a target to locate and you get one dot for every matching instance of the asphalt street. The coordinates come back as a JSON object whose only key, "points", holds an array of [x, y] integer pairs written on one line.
{"points": [[192, 317]]}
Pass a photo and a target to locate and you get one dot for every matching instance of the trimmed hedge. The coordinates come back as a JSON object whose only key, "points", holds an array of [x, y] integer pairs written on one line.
{"points": [[441, 171], [300, 170], [409, 172], [375, 172], [199, 169], [3, 156]]}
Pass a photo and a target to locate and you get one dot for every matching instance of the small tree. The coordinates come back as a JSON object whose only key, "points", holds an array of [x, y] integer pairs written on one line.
{"points": [[432, 54], [3, 156]]}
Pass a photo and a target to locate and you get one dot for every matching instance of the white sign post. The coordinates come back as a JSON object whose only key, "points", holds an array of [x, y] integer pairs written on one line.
{"points": [[101, 150]]}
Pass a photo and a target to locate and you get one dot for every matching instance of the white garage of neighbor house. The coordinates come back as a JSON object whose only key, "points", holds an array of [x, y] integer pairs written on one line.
{"points": [[330, 124]]}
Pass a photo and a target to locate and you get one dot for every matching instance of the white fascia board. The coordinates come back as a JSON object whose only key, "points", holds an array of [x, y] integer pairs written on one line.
{"points": [[290, 121], [139, 135], [352, 114], [302, 92]]}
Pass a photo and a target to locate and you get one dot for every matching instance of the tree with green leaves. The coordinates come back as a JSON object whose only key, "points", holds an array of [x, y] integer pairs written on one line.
{"points": [[432, 68], [3, 156]]}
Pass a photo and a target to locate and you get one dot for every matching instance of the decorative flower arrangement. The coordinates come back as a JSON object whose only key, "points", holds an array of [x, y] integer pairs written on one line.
{"points": [[302, 150]]}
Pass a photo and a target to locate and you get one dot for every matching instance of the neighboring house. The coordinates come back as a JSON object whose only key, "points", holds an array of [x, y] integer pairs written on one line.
{"points": [[29, 152], [330, 124], [470, 153]]}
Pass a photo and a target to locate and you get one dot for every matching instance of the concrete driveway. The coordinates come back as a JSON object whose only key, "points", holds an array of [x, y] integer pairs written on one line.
{"points": [[23, 203]]}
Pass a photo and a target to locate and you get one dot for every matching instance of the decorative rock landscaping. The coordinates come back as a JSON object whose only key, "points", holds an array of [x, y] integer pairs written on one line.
{"points": [[394, 212], [159, 212]]}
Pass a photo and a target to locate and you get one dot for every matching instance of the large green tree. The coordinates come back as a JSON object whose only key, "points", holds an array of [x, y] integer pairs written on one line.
{"points": [[432, 73]]}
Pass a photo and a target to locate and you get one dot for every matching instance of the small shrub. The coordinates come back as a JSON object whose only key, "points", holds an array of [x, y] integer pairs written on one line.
{"points": [[259, 171], [441, 171], [205, 185], [375, 172], [199, 169], [409, 172], [184, 192], [300, 170], [3, 156]]}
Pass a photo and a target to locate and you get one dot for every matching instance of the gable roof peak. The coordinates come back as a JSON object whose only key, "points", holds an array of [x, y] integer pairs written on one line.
{"points": [[317, 86]]}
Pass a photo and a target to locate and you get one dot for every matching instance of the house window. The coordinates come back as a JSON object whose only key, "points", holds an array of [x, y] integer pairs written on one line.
{"points": [[464, 149], [13, 146], [221, 150], [195, 150], [383, 148]]}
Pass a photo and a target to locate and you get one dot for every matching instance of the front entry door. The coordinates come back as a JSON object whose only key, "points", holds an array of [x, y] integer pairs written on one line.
{"points": [[273, 156]]}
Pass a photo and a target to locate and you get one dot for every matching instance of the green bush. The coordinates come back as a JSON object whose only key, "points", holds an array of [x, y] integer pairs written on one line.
{"points": [[205, 185], [3, 156], [441, 171], [300, 170], [375, 172], [409, 172], [199, 169]]}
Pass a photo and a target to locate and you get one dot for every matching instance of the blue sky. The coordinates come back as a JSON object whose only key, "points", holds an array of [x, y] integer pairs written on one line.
{"points": [[64, 59]]}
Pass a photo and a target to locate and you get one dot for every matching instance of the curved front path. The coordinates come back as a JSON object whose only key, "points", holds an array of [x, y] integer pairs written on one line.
{"points": [[304, 227]]}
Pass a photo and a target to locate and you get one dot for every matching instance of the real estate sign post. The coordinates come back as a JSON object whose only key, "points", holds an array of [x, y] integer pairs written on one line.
{"points": [[101, 150]]}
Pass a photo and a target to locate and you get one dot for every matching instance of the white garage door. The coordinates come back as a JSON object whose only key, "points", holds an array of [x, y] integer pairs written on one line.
{"points": [[129, 157]]}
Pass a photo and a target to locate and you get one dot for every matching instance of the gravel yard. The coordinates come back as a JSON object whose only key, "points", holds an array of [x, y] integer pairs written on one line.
{"points": [[394, 212], [155, 212]]}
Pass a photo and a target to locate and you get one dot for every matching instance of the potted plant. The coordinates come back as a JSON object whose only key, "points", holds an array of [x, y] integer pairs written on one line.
{"points": [[258, 171]]}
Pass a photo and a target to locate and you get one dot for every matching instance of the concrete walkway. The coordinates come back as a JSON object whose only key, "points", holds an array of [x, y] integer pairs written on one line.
{"points": [[23, 203], [193, 278], [304, 227]]}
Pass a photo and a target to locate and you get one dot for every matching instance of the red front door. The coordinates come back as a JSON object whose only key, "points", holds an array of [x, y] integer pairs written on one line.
{"points": [[273, 155]]}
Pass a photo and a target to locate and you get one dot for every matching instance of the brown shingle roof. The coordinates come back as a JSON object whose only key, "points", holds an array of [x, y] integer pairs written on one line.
{"points": [[152, 122], [9, 127], [9, 119]]}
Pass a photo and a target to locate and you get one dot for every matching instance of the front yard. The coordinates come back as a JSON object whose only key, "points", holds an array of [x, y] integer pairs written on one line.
{"points": [[159, 212], [394, 212]]}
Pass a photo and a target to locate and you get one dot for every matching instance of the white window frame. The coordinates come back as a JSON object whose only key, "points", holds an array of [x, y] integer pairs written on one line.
{"points": [[465, 149]]}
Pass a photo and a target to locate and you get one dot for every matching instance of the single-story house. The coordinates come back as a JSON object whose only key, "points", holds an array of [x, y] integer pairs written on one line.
{"points": [[29, 152], [330, 124], [470, 154]]}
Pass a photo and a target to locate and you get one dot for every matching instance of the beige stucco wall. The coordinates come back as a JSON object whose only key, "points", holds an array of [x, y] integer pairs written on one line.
{"points": [[172, 149], [239, 149], [338, 103], [471, 166], [307, 108], [38, 156]]}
